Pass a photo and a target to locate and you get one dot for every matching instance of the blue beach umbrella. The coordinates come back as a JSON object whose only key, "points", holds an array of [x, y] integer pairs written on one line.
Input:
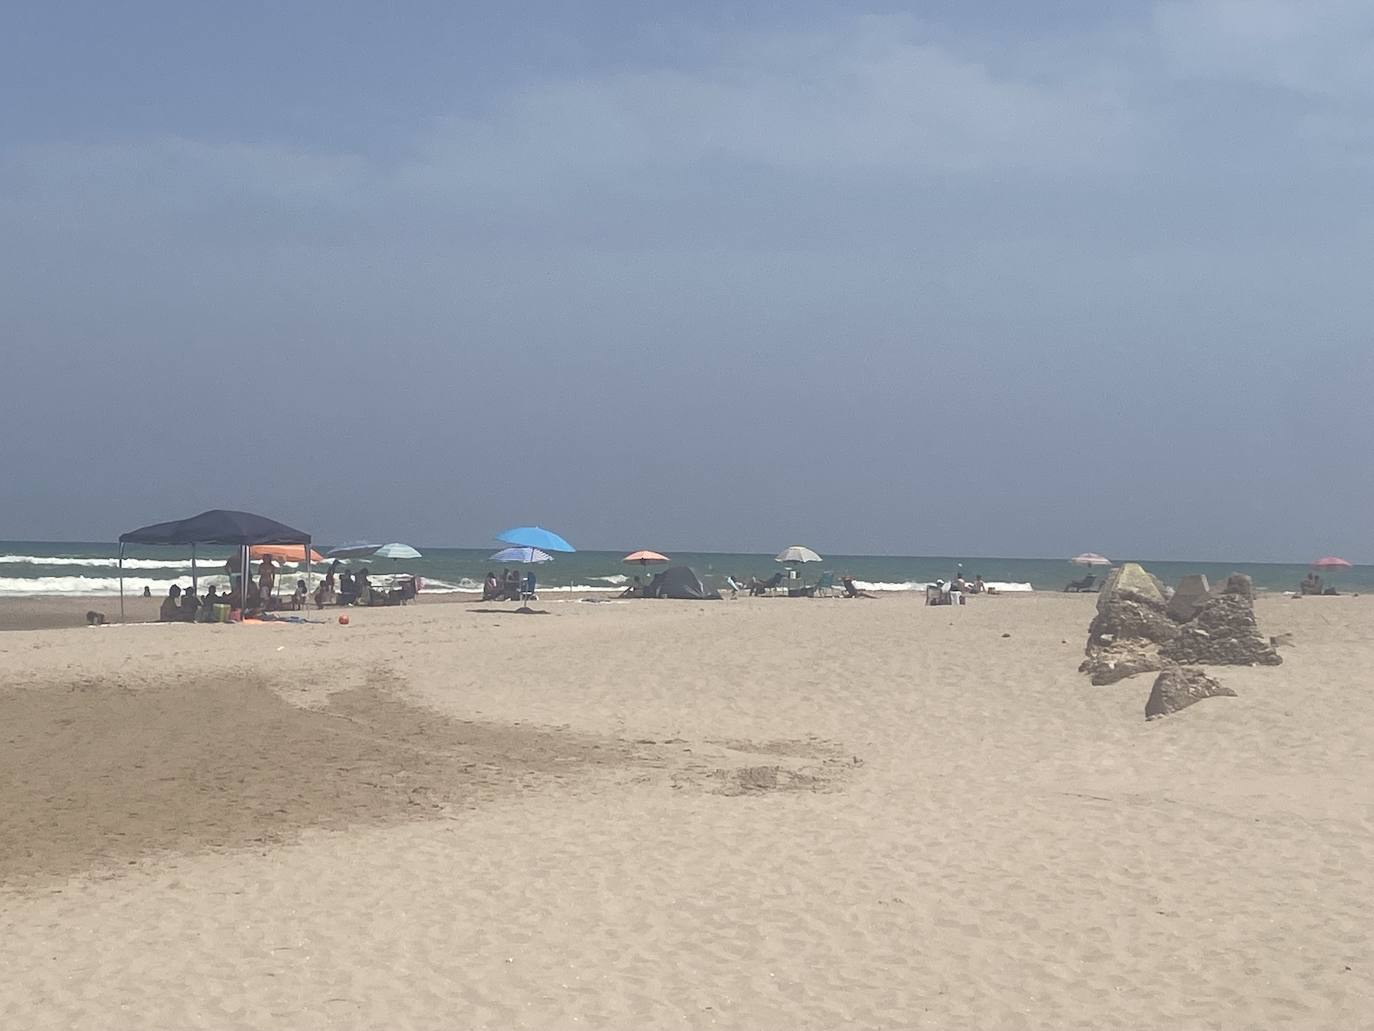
{"points": [[535, 537]]}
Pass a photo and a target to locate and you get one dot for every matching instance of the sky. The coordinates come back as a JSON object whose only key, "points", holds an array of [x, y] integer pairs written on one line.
{"points": [[946, 278]]}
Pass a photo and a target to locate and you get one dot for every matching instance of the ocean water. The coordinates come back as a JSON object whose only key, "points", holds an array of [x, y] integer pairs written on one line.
{"points": [[83, 568]]}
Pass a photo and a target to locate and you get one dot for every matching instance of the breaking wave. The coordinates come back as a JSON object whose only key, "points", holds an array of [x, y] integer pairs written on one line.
{"points": [[77, 586], [202, 561]]}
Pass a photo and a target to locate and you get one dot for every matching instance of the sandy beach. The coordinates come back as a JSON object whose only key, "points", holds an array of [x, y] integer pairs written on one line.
{"points": [[763, 813]]}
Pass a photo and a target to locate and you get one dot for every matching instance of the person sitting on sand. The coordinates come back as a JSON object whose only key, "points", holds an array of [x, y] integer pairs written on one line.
{"points": [[298, 596], [491, 587], [851, 589], [1311, 584], [364, 587], [207, 605], [977, 587], [189, 604], [171, 605], [510, 580]]}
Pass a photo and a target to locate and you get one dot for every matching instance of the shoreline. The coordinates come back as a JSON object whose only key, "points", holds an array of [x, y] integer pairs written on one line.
{"points": [[67, 612]]}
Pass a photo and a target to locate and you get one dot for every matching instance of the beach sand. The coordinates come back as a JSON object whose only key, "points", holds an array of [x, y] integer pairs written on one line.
{"points": [[765, 813]]}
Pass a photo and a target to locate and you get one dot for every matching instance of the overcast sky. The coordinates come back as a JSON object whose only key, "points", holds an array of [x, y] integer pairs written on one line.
{"points": [[990, 278]]}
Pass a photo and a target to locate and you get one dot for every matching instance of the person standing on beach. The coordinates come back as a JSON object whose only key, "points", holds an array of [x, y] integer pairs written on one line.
{"points": [[267, 576]]}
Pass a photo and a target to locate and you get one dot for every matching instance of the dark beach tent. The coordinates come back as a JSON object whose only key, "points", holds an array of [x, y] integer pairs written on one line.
{"points": [[680, 582], [217, 526]]}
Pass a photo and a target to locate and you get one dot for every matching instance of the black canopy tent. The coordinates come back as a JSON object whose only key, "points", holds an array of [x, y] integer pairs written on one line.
{"points": [[217, 526]]}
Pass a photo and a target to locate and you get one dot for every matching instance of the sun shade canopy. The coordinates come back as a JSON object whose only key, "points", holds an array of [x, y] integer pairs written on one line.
{"points": [[218, 526]]}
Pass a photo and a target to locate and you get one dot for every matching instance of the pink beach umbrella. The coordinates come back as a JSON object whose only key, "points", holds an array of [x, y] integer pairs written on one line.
{"points": [[1330, 564], [1090, 558], [645, 557]]}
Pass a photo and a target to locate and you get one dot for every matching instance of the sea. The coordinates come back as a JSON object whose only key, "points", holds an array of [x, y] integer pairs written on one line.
{"points": [[73, 568]]}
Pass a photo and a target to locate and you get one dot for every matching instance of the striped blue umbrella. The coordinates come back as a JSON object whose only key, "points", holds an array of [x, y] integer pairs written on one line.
{"points": [[535, 537], [395, 550], [527, 556]]}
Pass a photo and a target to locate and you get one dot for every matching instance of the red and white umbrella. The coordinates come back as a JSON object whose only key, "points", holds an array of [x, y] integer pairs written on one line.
{"points": [[1090, 558], [1330, 563]]}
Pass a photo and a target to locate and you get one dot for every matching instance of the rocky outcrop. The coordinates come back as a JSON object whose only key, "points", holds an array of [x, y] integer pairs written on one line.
{"points": [[1177, 688], [1190, 595], [1223, 633], [1138, 630], [1130, 625]]}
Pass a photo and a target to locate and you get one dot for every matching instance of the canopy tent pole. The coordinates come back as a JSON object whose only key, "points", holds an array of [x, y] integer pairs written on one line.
{"points": [[121, 581], [309, 574]]}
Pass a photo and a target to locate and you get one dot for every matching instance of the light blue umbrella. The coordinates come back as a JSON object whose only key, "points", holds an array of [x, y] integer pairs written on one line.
{"points": [[535, 537], [395, 550], [527, 556]]}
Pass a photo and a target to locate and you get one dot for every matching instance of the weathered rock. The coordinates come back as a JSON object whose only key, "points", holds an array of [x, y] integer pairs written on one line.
{"points": [[1137, 631], [1223, 633], [1190, 594], [1130, 625], [1108, 665], [1240, 583], [1177, 688], [1130, 581]]}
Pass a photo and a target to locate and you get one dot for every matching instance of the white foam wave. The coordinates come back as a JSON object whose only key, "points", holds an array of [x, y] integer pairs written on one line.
{"points": [[463, 586], [913, 585], [203, 562], [77, 586], [616, 578]]}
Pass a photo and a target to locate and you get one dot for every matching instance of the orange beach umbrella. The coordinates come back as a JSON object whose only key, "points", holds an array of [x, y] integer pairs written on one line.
{"points": [[284, 552]]}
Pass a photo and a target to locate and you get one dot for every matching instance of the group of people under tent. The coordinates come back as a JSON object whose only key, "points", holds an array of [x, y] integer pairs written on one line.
{"points": [[183, 605], [509, 586]]}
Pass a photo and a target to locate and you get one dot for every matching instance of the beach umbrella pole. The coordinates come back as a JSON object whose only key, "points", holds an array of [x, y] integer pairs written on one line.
{"points": [[195, 582], [121, 581]]}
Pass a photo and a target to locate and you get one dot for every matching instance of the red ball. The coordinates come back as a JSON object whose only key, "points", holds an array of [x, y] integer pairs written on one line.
{"points": [[343, 620]]}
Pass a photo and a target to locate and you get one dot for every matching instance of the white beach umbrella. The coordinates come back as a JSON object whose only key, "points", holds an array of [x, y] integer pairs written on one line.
{"points": [[1090, 558], [396, 550], [797, 553]]}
